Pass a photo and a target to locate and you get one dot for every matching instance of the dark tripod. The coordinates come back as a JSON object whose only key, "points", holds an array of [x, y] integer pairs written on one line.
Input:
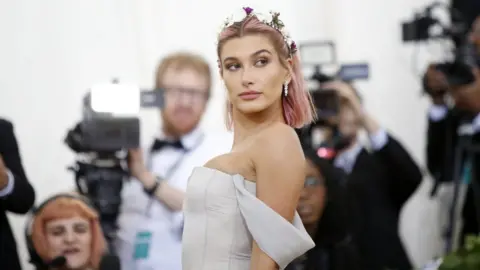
{"points": [[466, 150]]}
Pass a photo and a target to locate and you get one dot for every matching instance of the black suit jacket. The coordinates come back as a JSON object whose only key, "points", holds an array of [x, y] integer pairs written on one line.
{"points": [[379, 185], [19, 201], [359, 225]]}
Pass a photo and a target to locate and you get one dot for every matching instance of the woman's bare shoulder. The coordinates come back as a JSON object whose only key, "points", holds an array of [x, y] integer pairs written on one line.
{"points": [[279, 141], [279, 133]]}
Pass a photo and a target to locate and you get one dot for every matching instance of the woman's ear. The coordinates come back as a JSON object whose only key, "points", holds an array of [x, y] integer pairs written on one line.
{"points": [[288, 75]]}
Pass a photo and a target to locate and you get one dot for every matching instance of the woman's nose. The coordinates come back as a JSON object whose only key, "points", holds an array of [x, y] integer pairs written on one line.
{"points": [[248, 76], [69, 237], [303, 194]]}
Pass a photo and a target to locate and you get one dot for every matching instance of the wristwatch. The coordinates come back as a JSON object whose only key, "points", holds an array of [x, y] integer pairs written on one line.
{"points": [[151, 190]]}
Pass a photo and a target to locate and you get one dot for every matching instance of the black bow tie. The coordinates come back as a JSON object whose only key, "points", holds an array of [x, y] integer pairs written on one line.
{"points": [[160, 144]]}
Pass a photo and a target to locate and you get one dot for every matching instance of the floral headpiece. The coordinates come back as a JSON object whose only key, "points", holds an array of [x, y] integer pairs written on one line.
{"points": [[272, 20]]}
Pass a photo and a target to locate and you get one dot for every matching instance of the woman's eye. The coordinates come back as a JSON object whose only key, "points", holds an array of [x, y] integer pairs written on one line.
{"points": [[261, 62], [57, 233], [233, 67]]}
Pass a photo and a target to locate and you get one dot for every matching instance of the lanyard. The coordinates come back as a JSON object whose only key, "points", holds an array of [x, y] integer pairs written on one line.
{"points": [[172, 169]]}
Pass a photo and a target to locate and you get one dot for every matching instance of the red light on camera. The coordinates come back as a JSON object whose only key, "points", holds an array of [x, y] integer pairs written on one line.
{"points": [[326, 153]]}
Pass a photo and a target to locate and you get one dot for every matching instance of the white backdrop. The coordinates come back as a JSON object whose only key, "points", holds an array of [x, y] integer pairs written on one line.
{"points": [[53, 50]]}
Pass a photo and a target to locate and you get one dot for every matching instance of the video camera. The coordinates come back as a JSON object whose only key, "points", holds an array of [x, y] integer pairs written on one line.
{"points": [[324, 133], [457, 69], [109, 127]]}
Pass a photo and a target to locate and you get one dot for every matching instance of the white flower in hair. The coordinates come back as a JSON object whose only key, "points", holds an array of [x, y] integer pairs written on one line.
{"points": [[271, 19], [265, 18], [230, 20]]}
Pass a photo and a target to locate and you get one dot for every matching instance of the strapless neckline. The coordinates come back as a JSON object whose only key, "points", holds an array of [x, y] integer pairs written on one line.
{"points": [[249, 182], [223, 217]]}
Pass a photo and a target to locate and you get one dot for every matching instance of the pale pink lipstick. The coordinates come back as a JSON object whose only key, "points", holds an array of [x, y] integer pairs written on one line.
{"points": [[249, 95]]}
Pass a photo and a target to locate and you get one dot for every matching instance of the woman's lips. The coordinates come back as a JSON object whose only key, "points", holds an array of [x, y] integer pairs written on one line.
{"points": [[305, 210], [71, 251], [249, 95]]}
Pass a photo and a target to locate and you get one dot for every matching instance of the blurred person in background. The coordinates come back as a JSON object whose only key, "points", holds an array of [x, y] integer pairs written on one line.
{"points": [[16, 194], [379, 183], [151, 220], [323, 208], [448, 122], [65, 226], [464, 11]]}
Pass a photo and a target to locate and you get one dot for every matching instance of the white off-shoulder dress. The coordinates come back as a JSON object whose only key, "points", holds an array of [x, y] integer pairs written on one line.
{"points": [[222, 218]]}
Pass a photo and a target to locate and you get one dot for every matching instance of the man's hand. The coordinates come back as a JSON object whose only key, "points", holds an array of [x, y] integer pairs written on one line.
{"points": [[3, 174], [347, 93]]}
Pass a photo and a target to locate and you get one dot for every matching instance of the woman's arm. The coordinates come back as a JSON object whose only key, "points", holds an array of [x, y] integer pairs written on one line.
{"points": [[279, 164]]}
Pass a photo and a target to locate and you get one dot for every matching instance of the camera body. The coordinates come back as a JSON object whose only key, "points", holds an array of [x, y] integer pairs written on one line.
{"points": [[110, 126], [110, 118], [327, 101], [323, 134], [458, 69]]}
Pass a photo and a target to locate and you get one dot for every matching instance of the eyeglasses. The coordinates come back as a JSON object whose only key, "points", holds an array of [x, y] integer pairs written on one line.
{"points": [[312, 181], [172, 92]]}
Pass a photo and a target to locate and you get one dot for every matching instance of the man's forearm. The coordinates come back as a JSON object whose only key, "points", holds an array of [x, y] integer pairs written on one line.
{"points": [[170, 196]]}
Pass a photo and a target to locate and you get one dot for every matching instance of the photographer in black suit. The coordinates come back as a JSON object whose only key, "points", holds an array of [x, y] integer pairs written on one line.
{"points": [[447, 129], [16, 194], [380, 180], [450, 128]]}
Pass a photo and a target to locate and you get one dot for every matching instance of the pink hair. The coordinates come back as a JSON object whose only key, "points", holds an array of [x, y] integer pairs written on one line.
{"points": [[298, 109]]}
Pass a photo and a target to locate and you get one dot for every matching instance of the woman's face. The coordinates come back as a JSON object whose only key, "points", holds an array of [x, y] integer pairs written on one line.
{"points": [[312, 198], [72, 238], [253, 73]]}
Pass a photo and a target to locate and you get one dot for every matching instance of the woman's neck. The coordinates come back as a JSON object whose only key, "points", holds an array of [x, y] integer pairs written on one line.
{"points": [[246, 125]]}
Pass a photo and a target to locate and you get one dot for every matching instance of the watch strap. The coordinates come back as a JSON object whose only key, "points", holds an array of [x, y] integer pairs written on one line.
{"points": [[151, 191]]}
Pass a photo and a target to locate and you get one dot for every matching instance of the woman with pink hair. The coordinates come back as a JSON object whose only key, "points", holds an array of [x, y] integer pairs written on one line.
{"points": [[240, 207]]}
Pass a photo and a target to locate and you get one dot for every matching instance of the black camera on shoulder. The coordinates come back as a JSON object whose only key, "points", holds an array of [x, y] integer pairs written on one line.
{"points": [[320, 57], [109, 127], [426, 27]]}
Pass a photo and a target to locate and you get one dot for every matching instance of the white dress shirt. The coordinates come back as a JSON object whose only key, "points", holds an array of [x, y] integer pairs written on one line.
{"points": [[439, 112], [140, 212], [8, 189]]}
